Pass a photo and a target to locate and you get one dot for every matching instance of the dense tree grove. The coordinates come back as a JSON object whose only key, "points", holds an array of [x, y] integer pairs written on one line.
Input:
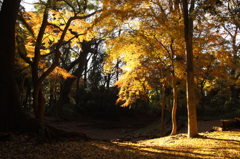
{"points": [[108, 59]]}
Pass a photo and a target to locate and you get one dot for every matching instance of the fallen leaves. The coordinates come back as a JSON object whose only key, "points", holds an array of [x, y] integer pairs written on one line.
{"points": [[207, 145]]}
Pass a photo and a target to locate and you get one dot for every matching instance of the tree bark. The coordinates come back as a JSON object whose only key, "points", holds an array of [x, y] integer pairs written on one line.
{"points": [[10, 110], [38, 98], [163, 108], [190, 87], [174, 109]]}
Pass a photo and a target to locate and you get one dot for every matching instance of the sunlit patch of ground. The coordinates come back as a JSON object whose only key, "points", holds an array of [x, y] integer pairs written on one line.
{"points": [[208, 145]]}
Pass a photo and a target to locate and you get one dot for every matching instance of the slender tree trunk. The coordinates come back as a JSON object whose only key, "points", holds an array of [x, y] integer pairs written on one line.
{"points": [[27, 96], [190, 86], [21, 91], [85, 75], [174, 109], [38, 98], [163, 107], [77, 90], [50, 102], [117, 68]]}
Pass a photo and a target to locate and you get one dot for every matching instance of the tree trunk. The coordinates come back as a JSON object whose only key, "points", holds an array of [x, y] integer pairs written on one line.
{"points": [[57, 110], [190, 87], [163, 107], [38, 98], [11, 113], [76, 93], [27, 96], [117, 68], [174, 109], [40, 109], [85, 75]]}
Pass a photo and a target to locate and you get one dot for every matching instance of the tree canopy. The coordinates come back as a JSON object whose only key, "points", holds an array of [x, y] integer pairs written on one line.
{"points": [[95, 57]]}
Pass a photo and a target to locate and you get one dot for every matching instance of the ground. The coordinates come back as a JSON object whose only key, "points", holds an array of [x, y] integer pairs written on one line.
{"points": [[128, 129], [115, 140]]}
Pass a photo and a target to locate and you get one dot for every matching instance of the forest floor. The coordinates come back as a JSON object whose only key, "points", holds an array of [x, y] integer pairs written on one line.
{"points": [[129, 129], [124, 140]]}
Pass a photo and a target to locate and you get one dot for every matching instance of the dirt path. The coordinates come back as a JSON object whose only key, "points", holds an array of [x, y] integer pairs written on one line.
{"points": [[125, 130]]}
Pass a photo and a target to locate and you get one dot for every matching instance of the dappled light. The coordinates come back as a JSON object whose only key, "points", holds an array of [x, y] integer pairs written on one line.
{"points": [[119, 79]]}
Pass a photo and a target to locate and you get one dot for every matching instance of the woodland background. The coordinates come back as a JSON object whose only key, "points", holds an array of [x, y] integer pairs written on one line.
{"points": [[115, 60], [130, 72]]}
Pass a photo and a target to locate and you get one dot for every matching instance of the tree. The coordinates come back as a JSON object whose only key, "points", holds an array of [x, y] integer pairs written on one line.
{"points": [[12, 115], [228, 20], [190, 86], [10, 112], [153, 40], [56, 28], [78, 64]]}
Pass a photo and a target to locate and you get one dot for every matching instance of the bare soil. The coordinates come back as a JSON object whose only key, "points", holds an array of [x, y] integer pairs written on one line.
{"points": [[128, 130]]}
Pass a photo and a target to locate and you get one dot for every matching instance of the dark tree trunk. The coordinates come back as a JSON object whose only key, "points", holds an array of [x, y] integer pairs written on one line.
{"points": [[85, 75], [27, 102], [12, 115], [10, 110], [117, 68], [108, 80], [77, 90]]}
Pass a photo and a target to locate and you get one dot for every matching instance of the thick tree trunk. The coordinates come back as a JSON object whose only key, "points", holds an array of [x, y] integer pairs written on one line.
{"points": [[190, 87], [40, 110], [11, 114]]}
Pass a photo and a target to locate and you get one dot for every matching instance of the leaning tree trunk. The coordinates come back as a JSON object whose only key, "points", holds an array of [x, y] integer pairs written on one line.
{"points": [[190, 87], [10, 110]]}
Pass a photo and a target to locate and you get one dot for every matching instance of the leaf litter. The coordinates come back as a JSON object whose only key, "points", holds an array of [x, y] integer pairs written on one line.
{"points": [[216, 144]]}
